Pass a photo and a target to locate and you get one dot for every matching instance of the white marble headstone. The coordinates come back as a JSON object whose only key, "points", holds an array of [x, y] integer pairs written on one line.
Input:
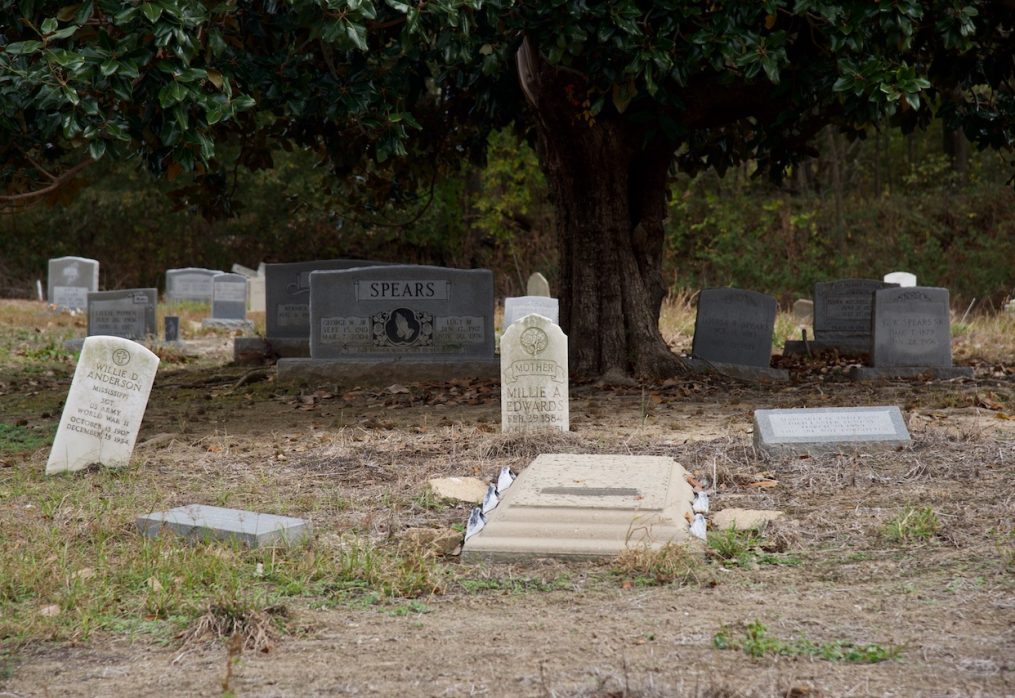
{"points": [[902, 278], [516, 308], [538, 285], [534, 377], [105, 405]]}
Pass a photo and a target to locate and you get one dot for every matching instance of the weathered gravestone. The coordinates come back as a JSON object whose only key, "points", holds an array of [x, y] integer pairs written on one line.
{"points": [[129, 313], [534, 377], [902, 278], [200, 522], [518, 307], [912, 335], [105, 405], [803, 311], [287, 309], [229, 302], [70, 280], [842, 317], [733, 333], [537, 285], [172, 328], [190, 284], [587, 506], [829, 430], [416, 322]]}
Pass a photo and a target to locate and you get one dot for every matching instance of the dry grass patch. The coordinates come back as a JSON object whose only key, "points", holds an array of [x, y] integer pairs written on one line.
{"points": [[674, 564]]}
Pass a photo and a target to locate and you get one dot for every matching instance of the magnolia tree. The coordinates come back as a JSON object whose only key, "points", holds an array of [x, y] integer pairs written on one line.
{"points": [[616, 95]]}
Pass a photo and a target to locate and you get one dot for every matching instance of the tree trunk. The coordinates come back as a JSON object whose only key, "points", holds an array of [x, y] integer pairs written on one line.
{"points": [[608, 186]]}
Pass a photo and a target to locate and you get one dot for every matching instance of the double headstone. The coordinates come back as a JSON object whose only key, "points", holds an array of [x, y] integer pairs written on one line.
{"points": [[733, 328], [70, 280], [912, 335], [534, 376], [105, 405], [128, 313], [190, 284]]}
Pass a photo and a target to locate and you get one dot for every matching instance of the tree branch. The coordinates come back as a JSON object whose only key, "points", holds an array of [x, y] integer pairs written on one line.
{"points": [[55, 182]]}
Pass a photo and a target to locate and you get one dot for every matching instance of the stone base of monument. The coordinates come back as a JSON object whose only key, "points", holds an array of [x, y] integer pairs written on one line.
{"points": [[739, 371], [796, 347], [873, 373], [202, 523], [254, 350], [214, 323], [384, 372], [587, 506]]}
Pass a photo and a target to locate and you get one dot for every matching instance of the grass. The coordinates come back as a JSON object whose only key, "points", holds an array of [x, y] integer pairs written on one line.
{"points": [[913, 525], [670, 564], [753, 639], [742, 547], [16, 438]]}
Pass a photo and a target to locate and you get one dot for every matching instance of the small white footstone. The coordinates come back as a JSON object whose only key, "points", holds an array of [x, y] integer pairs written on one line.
{"points": [[105, 405], [583, 506], [201, 522]]}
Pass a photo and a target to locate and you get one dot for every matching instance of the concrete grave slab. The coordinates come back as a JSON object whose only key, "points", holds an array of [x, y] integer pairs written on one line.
{"points": [[201, 522], [70, 280], [582, 506], [128, 313], [821, 430], [734, 326], [105, 405], [516, 308]]}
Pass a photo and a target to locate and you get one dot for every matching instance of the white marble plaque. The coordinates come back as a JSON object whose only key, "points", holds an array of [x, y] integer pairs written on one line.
{"points": [[105, 405], [534, 376], [74, 297], [829, 429]]}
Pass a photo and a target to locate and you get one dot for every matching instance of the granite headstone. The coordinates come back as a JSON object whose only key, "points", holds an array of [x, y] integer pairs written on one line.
{"points": [[200, 522], [734, 326], [190, 284], [128, 313], [829, 430]]}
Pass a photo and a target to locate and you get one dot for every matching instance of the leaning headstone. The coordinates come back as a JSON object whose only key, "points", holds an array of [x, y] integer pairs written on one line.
{"points": [[902, 278], [733, 328], [820, 430], [842, 317], [584, 506], [534, 376], [190, 284], [229, 303], [127, 313], [172, 323], [912, 335], [203, 523], [537, 285], [105, 405], [518, 307], [70, 280]]}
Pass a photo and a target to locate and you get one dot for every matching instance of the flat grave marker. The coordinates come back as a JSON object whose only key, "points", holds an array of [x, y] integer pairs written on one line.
{"points": [[534, 376], [128, 313], [105, 405], [70, 280], [734, 326], [518, 307], [819, 430], [580, 506], [200, 522]]}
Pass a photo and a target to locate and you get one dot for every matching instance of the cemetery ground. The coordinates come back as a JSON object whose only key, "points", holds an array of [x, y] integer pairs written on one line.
{"points": [[890, 573]]}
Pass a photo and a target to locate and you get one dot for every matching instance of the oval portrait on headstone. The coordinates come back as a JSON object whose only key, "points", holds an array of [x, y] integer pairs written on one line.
{"points": [[533, 340], [402, 327]]}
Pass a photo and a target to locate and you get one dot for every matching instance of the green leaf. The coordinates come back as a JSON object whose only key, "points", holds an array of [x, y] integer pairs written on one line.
{"points": [[49, 25], [64, 33], [71, 95], [84, 12], [97, 149], [244, 102], [358, 35], [109, 67], [23, 48], [66, 13], [151, 11]]}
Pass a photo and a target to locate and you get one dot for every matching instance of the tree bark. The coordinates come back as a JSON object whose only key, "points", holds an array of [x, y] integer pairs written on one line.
{"points": [[609, 187]]}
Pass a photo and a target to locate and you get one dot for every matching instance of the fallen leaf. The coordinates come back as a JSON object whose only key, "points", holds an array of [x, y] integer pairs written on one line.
{"points": [[396, 388], [765, 483]]}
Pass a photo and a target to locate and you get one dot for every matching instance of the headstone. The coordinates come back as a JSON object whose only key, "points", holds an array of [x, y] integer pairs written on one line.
{"points": [[70, 280], [518, 307], [581, 506], [376, 313], [243, 271], [287, 291], [538, 285], [534, 376], [129, 313], [912, 328], [842, 310], [229, 303], [734, 326], [255, 294], [829, 430], [203, 523], [172, 328], [803, 311], [38, 290], [902, 278], [105, 405], [190, 284]]}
